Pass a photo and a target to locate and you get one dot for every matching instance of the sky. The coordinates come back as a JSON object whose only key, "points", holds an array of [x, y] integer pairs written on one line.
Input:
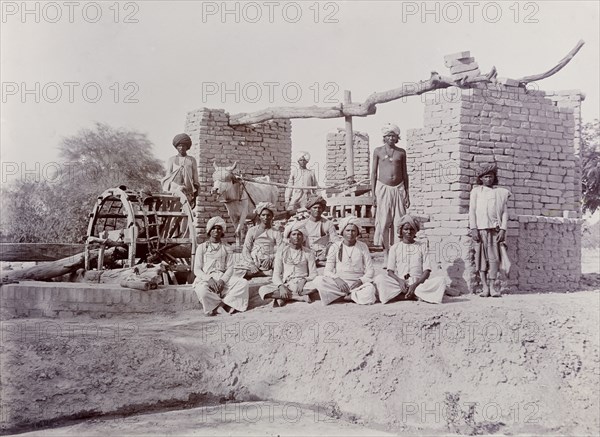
{"points": [[143, 65]]}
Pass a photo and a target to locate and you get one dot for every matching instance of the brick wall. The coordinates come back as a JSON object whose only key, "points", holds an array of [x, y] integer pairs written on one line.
{"points": [[336, 157], [260, 149], [529, 137], [548, 254]]}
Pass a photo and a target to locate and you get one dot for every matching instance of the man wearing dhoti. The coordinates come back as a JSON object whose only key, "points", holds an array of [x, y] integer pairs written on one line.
{"points": [[216, 287], [261, 244], [389, 185], [293, 271], [349, 270], [320, 232], [408, 269], [182, 171], [295, 198]]}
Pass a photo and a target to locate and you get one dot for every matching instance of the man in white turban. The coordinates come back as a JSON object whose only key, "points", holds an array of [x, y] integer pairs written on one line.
{"points": [[389, 185], [260, 245], [301, 177], [293, 270], [349, 270], [217, 289], [409, 267]]}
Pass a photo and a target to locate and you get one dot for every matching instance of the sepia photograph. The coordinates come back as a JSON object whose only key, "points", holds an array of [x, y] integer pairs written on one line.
{"points": [[300, 218]]}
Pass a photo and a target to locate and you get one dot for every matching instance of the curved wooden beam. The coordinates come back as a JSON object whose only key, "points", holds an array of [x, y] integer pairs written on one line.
{"points": [[564, 61], [368, 107]]}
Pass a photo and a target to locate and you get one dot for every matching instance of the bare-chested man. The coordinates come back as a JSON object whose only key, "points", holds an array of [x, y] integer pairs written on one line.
{"points": [[389, 182]]}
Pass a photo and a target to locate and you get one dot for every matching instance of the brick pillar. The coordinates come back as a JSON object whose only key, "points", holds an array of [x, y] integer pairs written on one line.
{"points": [[531, 140], [336, 157], [259, 149]]}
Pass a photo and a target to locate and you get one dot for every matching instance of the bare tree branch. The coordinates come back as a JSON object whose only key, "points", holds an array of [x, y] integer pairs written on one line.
{"points": [[368, 107]]}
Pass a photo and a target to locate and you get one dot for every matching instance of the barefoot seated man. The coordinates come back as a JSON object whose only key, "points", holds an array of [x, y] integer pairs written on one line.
{"points": [[349, 270], [261, 244], [389, 185], [488, 218], [216, 287], [408, 269], [320, 232], [182, 171], [293, 271]]}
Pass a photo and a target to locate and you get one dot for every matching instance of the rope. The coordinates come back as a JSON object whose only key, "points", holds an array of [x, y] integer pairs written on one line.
{"points": [[280, 185]]}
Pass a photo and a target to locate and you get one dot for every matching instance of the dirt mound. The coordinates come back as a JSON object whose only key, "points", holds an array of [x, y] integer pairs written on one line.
{"points": [[522, 363]]}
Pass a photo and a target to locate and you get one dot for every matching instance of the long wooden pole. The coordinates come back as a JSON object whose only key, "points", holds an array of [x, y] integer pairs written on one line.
{"points": [[349, 140]]}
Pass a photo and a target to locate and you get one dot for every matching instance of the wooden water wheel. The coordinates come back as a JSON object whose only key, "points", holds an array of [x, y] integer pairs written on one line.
{"points": [[154, 227]]}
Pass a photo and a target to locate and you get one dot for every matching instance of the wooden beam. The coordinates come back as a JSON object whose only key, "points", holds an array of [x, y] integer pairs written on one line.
{"points": [[15, 252], [368, 107], [349, 139]]}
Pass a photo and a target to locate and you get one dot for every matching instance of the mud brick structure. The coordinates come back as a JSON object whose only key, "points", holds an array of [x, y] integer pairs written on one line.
{"points": [[259, 149], [531, 137], [336, 157]]}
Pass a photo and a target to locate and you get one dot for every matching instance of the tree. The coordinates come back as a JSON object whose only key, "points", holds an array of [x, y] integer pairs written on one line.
{"points": [[590, 166], [92, 161]]}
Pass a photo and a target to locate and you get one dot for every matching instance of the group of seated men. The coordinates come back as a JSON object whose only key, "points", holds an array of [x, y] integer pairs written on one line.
{"points": [[291, 259]]}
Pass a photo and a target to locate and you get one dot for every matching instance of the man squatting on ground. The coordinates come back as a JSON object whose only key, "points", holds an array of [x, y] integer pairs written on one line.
{"points": [[293, 271], [216, 287], [389, 184], [488, 218]]}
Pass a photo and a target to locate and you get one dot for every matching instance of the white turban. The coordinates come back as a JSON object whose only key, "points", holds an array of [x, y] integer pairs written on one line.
{"points": [[215, 221], [349, 220], [294, 226], [390, 129], [264, 205], [300, 155]]}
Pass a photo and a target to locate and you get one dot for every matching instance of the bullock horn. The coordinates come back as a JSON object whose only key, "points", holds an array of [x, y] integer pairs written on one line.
{"points": [[215, 165], [232, 167]]}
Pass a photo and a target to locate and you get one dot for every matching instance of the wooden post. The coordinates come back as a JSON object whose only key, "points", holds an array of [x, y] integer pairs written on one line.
{"points": [[349, 139]]}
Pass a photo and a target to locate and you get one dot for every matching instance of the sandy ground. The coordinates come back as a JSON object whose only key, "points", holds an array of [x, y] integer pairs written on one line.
{"points": [[518, 364]]}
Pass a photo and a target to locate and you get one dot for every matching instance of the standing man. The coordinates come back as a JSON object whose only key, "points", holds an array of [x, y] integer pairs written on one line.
{"points": [[389, 184], [295, 198], [182, 171]]}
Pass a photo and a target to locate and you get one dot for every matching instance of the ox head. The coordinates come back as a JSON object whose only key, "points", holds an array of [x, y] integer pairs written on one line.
{"points": [[223, 181]]}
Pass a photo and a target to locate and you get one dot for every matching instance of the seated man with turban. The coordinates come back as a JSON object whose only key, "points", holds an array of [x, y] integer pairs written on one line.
{"points": [[216, 287], [408, 268], [349, 270], [182, 171], [295, 198], [293, 271], [261, 244], [320, 232]]}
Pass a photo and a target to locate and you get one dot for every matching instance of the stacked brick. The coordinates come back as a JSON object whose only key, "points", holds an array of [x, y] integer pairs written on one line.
{"points": [[336, 157], [462, 65], [259, 149], [532, 142], [548, 254]]}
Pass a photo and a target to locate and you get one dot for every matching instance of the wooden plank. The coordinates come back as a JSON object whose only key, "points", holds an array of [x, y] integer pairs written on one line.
{"points": [[359, 200], [38, 251]]}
